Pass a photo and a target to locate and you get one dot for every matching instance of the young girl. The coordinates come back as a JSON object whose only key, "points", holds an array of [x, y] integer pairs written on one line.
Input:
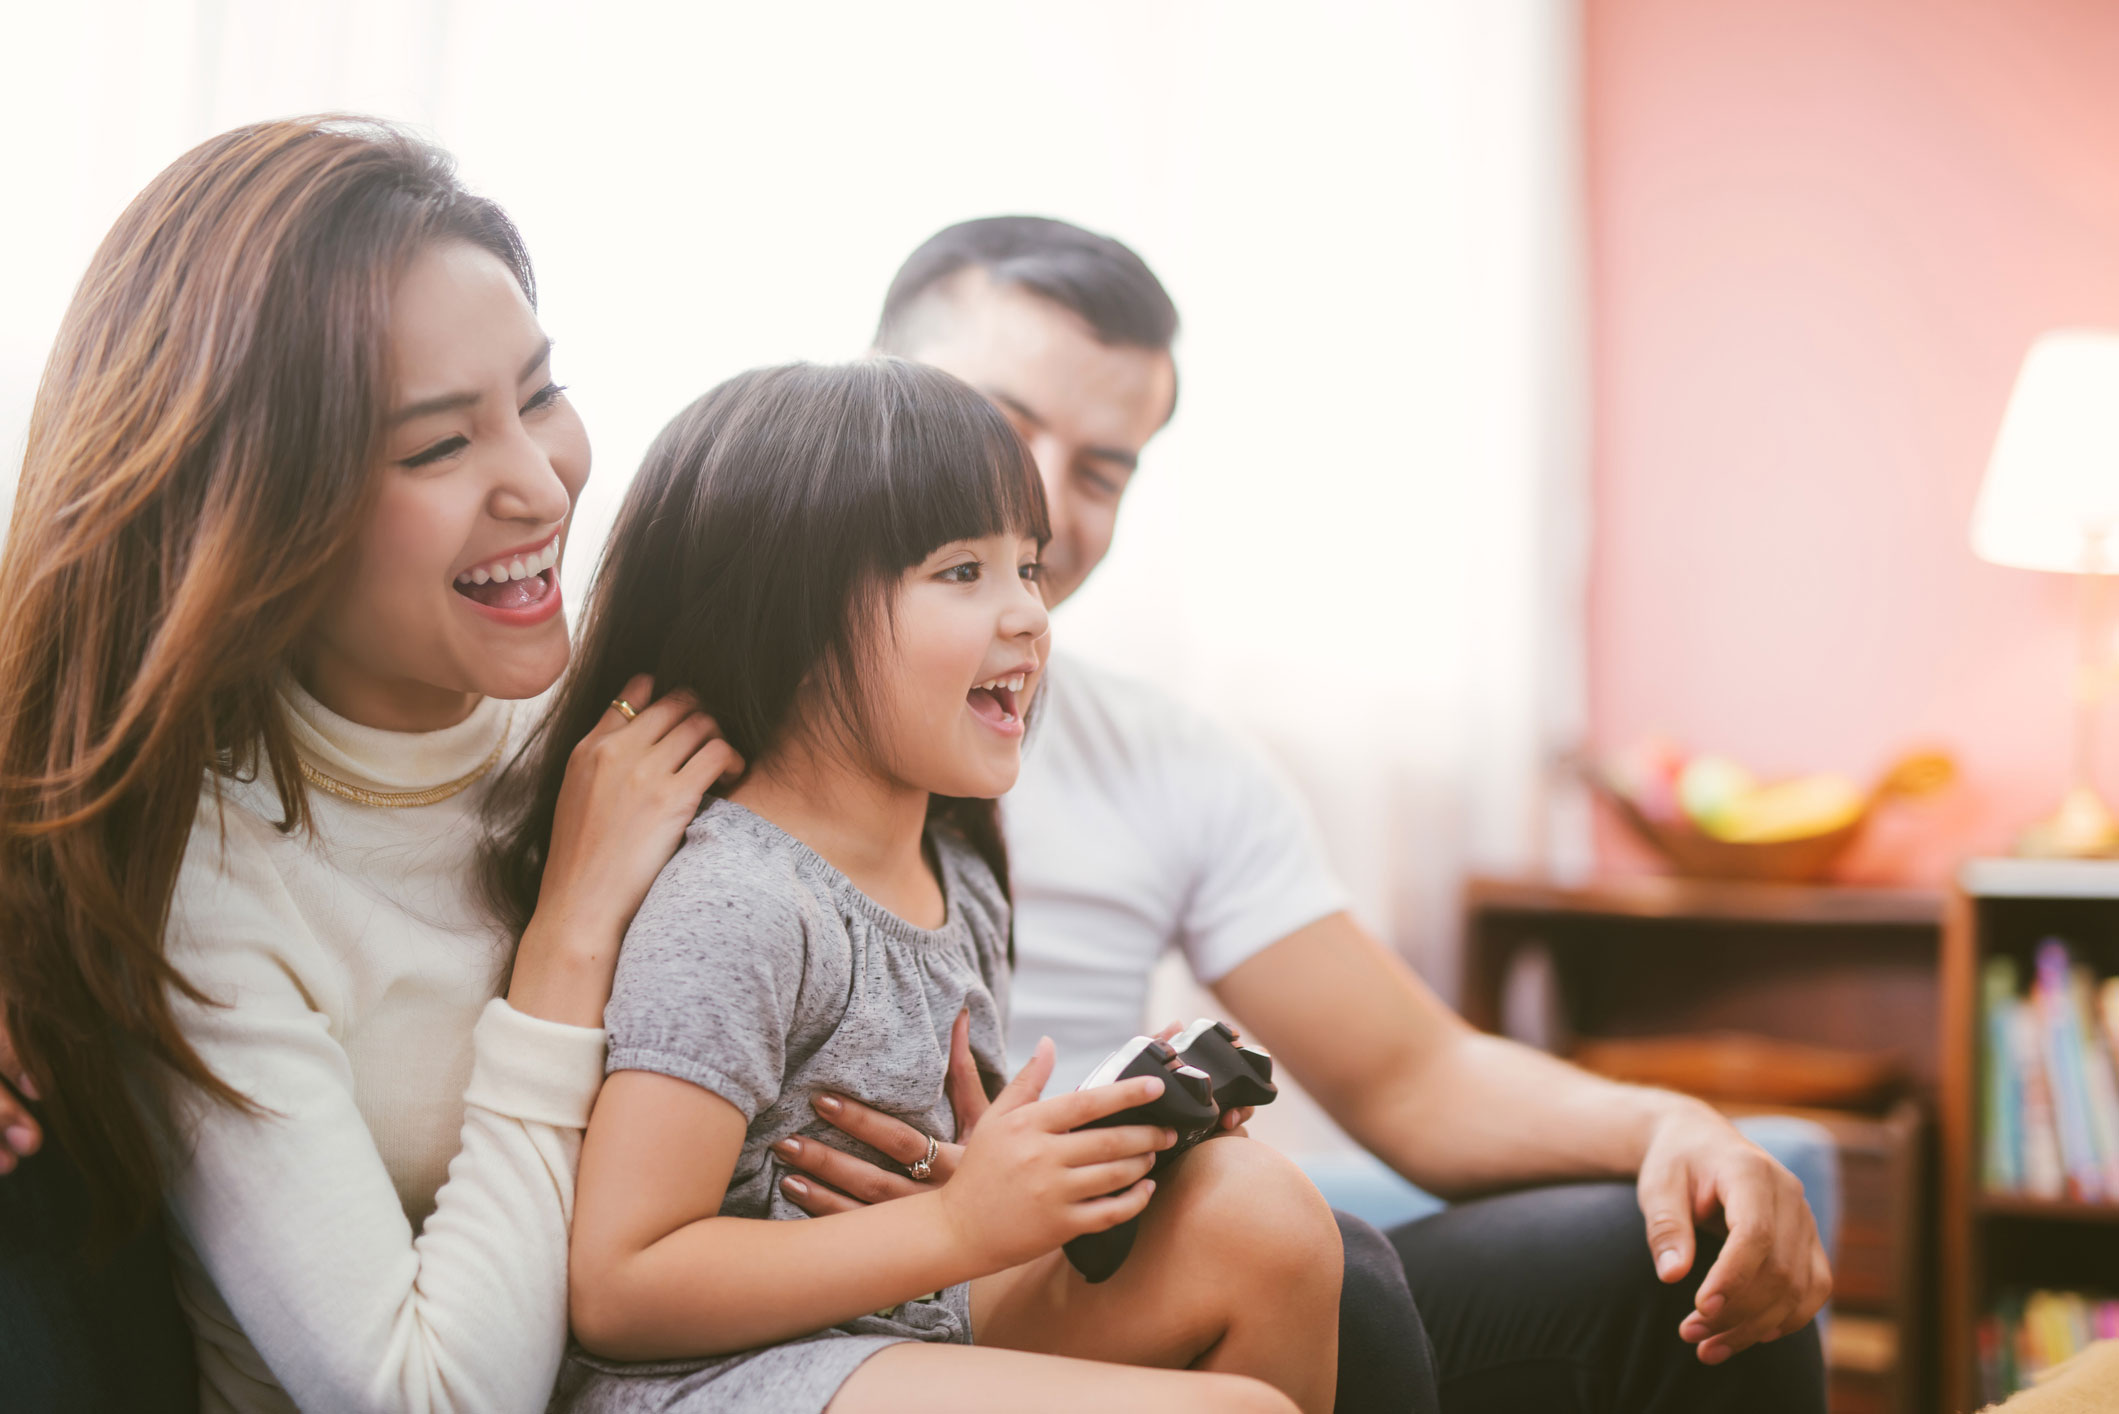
{"points": [[841, 564]]}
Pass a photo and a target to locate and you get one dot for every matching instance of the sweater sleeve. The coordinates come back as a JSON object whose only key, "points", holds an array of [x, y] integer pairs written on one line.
{"points": [[291, 1211]]}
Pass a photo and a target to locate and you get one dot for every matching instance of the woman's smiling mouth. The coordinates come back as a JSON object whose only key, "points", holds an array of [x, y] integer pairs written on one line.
{"points": [[521, 587]]}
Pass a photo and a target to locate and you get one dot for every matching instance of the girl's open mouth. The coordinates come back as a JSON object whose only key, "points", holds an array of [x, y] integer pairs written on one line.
{"points": [[996, 702]]}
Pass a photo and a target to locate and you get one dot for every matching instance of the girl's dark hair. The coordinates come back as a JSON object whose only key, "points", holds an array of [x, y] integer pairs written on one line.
{"points": [[201, 456], [758, 548]]}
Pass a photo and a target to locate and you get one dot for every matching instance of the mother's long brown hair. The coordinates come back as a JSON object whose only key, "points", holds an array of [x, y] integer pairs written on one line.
{"points": [[201, 456]]}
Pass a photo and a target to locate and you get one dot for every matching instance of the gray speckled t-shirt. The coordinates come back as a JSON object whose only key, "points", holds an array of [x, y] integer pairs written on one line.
{"points": [[758, 971]]}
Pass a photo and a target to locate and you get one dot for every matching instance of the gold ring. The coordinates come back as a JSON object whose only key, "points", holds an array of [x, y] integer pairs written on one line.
{"points": [[625, 708], [924, 1169]]}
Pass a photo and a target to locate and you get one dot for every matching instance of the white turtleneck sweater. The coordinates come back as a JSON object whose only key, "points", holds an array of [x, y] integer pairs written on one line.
{"points": [[393, 1234]]}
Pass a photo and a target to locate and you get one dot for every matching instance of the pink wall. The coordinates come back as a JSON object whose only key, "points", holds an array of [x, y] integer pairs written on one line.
{"points": [[1823, 233]]}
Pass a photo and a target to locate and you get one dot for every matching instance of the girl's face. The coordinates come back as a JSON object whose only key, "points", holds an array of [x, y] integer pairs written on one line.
{"points": [[453, 592], [967, 646]]}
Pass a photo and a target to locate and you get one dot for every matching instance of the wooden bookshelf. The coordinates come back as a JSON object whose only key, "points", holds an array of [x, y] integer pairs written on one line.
{"points": [[1994, 1241], [2059, 1210]]}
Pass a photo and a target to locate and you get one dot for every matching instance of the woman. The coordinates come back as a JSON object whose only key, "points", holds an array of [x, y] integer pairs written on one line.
{"points": [[284, 558]]}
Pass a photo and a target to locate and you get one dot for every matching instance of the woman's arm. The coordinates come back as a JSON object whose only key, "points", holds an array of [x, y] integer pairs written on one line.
{"points": [[292, 1211], [293, 1214], [656, 1274]]}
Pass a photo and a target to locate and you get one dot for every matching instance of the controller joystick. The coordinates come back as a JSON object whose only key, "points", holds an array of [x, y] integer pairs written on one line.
{"points": [[1242, 1075], [1204, 1072]]}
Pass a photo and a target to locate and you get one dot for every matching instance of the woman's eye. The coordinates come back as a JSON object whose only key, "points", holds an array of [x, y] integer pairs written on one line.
{"points": [[448, 446], [966, 573], [544, 397]]}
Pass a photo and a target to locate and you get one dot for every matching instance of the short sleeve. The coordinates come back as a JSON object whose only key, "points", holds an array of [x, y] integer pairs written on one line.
{"points": [[710, 975], [1259, 872]]}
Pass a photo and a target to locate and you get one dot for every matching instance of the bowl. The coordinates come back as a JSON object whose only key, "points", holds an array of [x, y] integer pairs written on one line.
{"points": [[1805, 859]]}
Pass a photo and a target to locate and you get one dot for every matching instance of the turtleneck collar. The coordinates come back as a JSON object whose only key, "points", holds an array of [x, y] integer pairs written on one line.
{"points": [[392, 761]]}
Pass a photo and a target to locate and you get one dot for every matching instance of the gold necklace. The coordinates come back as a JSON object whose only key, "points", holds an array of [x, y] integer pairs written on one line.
{"points": [[408, 799]]}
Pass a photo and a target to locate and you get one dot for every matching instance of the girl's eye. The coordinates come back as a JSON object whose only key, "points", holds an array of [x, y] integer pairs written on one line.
{"points": [[966, 573], [1032, 572], [544, 397], [447, 447]]}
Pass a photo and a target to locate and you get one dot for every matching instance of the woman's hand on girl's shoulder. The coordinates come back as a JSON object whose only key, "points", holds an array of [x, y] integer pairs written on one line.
{"points": [[632, 786], [20, 1134], [1032, 1179]]}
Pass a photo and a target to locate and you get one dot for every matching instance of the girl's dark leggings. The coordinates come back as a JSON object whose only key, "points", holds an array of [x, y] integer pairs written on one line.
{"points": [[1542, 1300]]}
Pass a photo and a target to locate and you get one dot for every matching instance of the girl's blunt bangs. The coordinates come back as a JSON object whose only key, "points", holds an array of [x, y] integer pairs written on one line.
{"points": [[955, 468]]}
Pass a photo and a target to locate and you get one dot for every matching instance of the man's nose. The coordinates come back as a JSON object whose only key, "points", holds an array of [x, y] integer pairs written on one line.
{"points": [[1052, 463]]}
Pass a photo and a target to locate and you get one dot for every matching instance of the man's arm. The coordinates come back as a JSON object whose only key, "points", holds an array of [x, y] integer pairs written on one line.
{"points": [[1460, 1112]]}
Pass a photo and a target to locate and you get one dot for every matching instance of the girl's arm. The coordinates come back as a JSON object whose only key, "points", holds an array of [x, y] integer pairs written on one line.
{"points": [[656, 1274]]}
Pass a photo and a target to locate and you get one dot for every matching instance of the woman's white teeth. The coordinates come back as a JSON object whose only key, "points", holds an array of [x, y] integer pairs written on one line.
{"points": [[1014, 684], [518, 567]]}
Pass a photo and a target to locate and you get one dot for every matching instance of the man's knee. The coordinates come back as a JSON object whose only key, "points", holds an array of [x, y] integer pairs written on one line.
{"points": [[1585, 1241], [1385, 1360]]}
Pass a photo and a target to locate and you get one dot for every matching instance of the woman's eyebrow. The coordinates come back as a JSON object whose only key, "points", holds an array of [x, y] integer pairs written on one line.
{"points": [[449, 402]]}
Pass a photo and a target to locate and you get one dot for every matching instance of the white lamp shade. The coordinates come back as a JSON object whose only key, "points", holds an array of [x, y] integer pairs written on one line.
{"points": [[2051, 494]]}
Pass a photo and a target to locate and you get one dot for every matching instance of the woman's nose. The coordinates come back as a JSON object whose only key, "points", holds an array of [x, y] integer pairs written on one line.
{"points": [[529, 487]]}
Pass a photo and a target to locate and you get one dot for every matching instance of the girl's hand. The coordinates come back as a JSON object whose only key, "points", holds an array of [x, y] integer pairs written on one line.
{"points": [[856, 1183], [1027, 1182], [20, 1135], [631, 788]]}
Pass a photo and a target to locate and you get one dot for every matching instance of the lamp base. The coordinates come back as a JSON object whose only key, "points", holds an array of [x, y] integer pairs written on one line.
{"points": [[2083, 828]]}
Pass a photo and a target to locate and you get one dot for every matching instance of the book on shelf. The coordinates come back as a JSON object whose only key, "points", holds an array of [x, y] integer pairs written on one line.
{"points": [[2049, 1091], [2029, 1331]]}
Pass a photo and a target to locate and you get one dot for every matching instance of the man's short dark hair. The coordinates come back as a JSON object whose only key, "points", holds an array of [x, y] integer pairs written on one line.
{"points": [[1095, 276]]}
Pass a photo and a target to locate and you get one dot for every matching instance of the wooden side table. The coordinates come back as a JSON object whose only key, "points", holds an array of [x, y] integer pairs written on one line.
{"points": [[1853, 968]]}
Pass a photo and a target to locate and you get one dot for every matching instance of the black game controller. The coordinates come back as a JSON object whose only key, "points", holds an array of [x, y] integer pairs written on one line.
{"points": [[1204, 1073]]}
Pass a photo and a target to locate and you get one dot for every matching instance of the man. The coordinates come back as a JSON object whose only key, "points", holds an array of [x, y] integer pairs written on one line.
{"points": [[1138, 826]]}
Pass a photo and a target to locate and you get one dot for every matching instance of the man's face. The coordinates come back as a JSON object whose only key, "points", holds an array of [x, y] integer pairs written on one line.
{"points": [[1085, 408]]}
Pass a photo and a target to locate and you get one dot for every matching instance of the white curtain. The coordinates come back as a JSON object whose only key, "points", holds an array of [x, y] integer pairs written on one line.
{"points": [[1362, 538]]}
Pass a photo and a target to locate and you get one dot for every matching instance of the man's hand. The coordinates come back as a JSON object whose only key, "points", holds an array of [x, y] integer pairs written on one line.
{"points": [[20, 1135], [1772, 1275], [1232, 1121], [845, 1182]]}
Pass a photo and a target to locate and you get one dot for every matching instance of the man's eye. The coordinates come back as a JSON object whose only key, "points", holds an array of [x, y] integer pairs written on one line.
{"points": [[1102, 485], [544, 397], [448, 446]]}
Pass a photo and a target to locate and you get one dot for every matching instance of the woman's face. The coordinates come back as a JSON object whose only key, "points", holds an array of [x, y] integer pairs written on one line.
{"points": [[968, 636], [453, 592]]}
